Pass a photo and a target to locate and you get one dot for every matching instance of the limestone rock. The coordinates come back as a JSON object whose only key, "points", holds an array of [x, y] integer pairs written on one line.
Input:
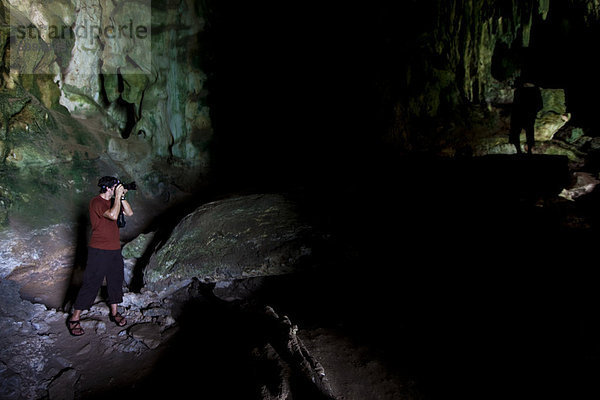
{"points": [[254, 235], [129, 51], [81, 84], [23, 348], [122, 62], [583, 183], [40, 261], [238, 289], [137, 247], [553, 115], [147, 333], [11, 383], [63, 385]]}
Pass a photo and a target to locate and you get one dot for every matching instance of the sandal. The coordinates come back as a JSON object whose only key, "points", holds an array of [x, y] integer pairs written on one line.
{"points": [[118, 319], [75, 328]]}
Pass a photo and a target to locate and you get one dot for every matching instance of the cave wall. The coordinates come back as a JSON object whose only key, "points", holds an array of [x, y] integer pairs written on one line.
{"points": [[448, 69], [150, 83], [78, 104], [455, 63]]}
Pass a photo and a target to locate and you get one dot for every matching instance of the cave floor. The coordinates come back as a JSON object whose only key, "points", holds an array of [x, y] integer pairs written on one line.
{"points": [[100, 363], [106, 368]]}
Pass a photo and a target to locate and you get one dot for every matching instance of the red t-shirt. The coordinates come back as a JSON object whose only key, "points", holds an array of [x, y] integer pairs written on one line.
{"points": [[105, 232]]}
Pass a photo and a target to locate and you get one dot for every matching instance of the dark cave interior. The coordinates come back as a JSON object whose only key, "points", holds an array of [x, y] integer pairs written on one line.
{"points": [[299, 92], [559, 57], [457, 276], [470, 292]]}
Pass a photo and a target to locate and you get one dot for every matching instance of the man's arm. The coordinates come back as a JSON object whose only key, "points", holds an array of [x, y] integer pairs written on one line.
{"points": [[127, 208], [113, 212], [125, 204]]}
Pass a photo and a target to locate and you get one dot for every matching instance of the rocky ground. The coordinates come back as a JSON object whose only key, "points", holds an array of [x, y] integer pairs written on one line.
{"points": [[212, 346]]}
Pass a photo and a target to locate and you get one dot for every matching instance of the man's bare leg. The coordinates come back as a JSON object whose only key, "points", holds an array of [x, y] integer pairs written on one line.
{"points": [[76, 315]]}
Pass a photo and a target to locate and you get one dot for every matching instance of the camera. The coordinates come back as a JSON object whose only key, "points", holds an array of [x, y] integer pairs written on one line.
{"points": [[121, 218], [128, 186]]}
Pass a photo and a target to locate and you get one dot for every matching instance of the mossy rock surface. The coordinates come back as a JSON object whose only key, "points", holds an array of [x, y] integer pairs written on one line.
{"points": [[137, 247], [248, 236], [48, 164]]}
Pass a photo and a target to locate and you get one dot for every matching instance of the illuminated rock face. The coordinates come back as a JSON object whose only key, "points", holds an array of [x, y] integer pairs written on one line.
{"points": [[241, 237], [99, 88], [106, 62], [138, 94], [42, 262]]}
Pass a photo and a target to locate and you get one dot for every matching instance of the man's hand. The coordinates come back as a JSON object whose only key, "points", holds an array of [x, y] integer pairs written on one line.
{"points": [[119, 191]]}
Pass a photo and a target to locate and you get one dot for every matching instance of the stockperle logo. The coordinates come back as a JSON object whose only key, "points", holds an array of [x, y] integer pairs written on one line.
{"points": [[120, 30]]}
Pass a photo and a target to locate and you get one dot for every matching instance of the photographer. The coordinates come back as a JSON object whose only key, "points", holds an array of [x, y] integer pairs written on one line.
{"points": [[104, 252]]}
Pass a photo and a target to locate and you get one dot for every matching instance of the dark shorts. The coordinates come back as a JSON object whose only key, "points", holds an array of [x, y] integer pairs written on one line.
{"points": [[101, 264]]}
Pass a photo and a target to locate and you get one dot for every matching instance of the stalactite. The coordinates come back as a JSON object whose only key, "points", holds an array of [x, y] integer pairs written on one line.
{"points": [[543, 8], [466, 33]]}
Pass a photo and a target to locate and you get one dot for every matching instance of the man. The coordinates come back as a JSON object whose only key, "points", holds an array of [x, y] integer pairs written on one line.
{"points": [[527, 102], [104, 253]]}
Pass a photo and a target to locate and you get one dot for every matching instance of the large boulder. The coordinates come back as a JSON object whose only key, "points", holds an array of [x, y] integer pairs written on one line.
{"points": [[240, 237], [41, 261]]}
